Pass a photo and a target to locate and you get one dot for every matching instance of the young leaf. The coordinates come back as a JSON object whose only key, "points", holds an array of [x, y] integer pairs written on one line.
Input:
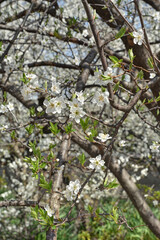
{"points": [[120, 33], [82, 159], [114, 59]]}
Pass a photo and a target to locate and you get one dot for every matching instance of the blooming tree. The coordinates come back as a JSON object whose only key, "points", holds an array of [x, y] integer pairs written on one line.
{"points": [[80, 101]]}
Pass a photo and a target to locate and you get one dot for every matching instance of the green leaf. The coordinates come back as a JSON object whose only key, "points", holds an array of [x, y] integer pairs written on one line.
{"points": [[82, 159], [130, 66], [120, 33], [118, 2], [24, 79], [5, 96], [116, 86], [150, 62], [114, 59], [84, 123], [111, 185], [90, 208], [54, 129], [44, 184], [131, 55], [32, 111], [69, 129], [29, 129], [13, 134], [0, 45], [140, 75]]}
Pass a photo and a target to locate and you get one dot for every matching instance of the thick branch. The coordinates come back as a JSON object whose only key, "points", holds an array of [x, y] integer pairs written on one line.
{"points": [[154, 3]]}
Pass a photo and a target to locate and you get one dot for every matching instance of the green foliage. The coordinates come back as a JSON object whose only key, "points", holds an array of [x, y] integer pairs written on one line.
{"points": [[84, 123], [44, 184], [104, 226], [41, 215], [29, 129], [0, 45], [24, 79], [116, 86], [93, 134], [119, 2], [131, 55], [112, 184], [69, 129], [82, 159], [150, 62], [54, 128], [117, 62], [140, 75], [121, 32], [13, 134], [32, 111]]}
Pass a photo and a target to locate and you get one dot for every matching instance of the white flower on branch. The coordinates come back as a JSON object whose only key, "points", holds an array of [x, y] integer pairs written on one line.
{"points": [[74, 186], [77, 113], [49, 211], [100, 98], [155, 202], [55, 105], [152, 75], [96, 163], [138, 37], [104, 137], [72, 190], [80, 97], [55, 86], [154, 147], [122, 143]]}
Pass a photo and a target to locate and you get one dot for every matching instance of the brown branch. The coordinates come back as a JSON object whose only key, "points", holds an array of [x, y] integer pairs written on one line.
{"points": [[154, 3], [48, 33], [54, 64], [57, 184], [85, 65], [15, 92]]}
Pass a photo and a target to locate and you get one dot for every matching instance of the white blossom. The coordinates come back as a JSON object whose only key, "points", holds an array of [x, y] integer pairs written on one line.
{"points": [[72, 190], [108, 75], [31, 76], [10, 106], [3, 109], [55, 87], [49, 211], [96, 163], [80, 97], [103, 137], [138, 37], [122, 143], [54, 105], [74, 186], [154, 147], [100, 98], [76, 113], [155, 202], [85, 33], [144, 172], [152, 75]]}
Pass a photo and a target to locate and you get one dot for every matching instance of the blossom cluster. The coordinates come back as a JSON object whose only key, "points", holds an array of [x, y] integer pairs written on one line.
{"points": [[72, 190]]}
